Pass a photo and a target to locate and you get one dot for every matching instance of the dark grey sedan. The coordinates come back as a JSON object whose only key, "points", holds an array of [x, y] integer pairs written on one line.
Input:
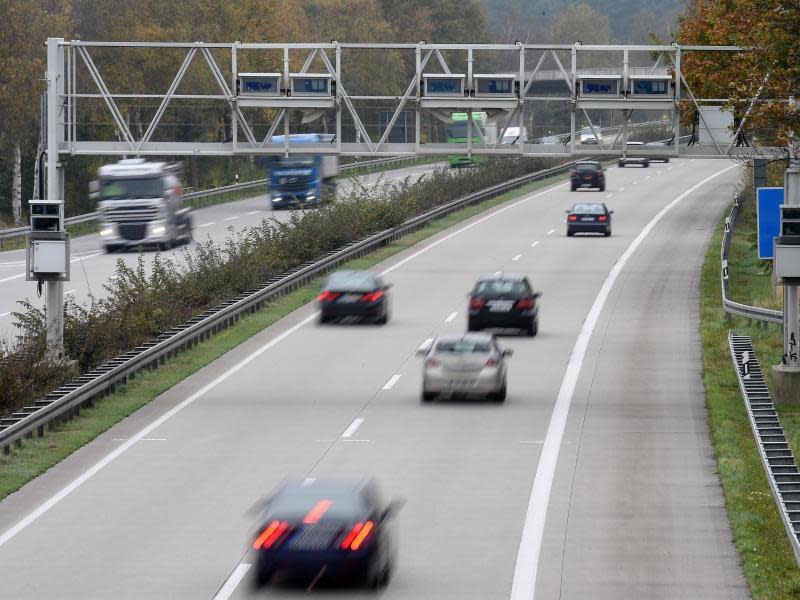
{"points": [[354, 294]]}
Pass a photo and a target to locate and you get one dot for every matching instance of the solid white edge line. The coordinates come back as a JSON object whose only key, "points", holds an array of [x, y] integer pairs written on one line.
{"points": [[108, 458], [534, 244], [392, 380], [517, 257], [232, 582], [207, 224], [230, 218], [552, 231], [523, 586], [89, 473], [4, 314], [351, 429], [449, 318]]}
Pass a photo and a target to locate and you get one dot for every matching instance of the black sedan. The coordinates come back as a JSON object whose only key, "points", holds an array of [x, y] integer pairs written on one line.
{"points": [[354, 294], [589, 217], [588, 173], [504, 301], [325, 532]]}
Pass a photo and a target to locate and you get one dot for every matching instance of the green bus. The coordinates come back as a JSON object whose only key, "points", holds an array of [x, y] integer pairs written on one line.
{"points": [[457, 134]]}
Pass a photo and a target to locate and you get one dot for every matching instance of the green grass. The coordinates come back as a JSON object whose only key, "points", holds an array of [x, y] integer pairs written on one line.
{"points": [[34, 456], [759, 535]]}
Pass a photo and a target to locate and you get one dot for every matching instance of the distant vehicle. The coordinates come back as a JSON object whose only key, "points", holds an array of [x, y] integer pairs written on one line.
{"points": [[354, 294], [589, 174], [302, 180], [587, 136], [141, 204], [589, 217], [504, 300], [551, 139], [457, 134], [469, 364], [629, 156], [512, 135], [330, 530]]}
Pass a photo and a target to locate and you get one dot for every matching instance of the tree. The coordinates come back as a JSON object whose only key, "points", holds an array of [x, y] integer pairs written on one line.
{"points": [[768, 28]]}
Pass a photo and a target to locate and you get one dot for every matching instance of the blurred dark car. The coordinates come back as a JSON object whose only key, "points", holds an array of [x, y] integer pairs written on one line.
{"points": [[326, 531], [354, 294], [589, 217], [588, 173], [504, 300]]}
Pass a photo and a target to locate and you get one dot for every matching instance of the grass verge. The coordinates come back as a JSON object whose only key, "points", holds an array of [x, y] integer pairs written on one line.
{"points": [[760, 538], [34, 456]]}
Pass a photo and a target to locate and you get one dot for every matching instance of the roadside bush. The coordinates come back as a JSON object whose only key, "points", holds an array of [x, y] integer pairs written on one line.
{"points": [[142, 301]]}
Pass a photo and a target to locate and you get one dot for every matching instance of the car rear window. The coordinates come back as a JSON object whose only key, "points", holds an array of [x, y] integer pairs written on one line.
{"points": [[357, 282], [589, 209], [500, 287], [463, 347], [586, 167], [295, 504]]}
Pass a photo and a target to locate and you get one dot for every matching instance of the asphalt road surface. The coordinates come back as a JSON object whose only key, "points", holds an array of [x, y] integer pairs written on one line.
{"points": [[91, 267], [595, 479]]}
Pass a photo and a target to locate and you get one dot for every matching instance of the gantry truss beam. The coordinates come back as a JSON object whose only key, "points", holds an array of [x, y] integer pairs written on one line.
{"points": [[545, 74]]}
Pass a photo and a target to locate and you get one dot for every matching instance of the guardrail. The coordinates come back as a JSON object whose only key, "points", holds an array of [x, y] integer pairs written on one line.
{"points": [[218, 191], [736, 308], [776, 455], [66, 401]]}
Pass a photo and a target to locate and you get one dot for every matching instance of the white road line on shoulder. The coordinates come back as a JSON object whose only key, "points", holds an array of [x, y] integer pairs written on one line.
{"points": [[635, 183], [622, 189], [534, 244], [659, 172], [517, 257], [70, 292], [647, 177], [523, 586], [449, 319], [392, 380], [42, 509], [609, 195], [551, 232], [351, 429], [4, 314], [207, 224], [14, 263], [10, 533], [254, 212], [230, 218], [232, 582]]}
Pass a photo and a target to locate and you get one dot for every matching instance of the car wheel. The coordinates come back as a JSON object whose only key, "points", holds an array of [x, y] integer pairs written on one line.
{"points": [[262, 577], [384, 577], [646, 164], [570, 233], [602, 187], [533, 327], [501, 395], [111, 248], [472, 325], [666, 160], [323, 318], [574, 187], [607, 232], [620, 164], [428, 396], [382, 320]]}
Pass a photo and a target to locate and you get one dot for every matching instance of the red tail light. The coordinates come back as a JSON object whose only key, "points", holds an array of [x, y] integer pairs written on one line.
{"points": [[372, 296], [573, 173], [273, 532], [602, 218], [328, 296], [432, 362], [491, 363], [526, 303], [476, 303], [357, 536], [572, 218]]}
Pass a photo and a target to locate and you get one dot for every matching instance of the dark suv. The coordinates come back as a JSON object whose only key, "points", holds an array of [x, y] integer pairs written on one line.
{"points": [[504, 300], [588, 173]]}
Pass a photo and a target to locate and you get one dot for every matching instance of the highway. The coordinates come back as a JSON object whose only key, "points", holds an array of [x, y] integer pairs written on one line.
{"points": [[91, 267], [595, 479]]}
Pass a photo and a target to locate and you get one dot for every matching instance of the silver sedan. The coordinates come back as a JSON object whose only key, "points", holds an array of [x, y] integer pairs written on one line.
{"points": [[464, 364]]}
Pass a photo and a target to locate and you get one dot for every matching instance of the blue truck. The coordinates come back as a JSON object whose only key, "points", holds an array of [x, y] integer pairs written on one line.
{"points": [[302, 180]]}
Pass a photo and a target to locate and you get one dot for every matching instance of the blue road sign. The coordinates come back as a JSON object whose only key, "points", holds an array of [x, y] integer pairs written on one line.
{"points": [[769, 202]]}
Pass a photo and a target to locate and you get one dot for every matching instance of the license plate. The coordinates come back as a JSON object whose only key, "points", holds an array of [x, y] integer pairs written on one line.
{"points": [[501, 306], [587, 218], [349, 298], [463, 382], [587, 177]]}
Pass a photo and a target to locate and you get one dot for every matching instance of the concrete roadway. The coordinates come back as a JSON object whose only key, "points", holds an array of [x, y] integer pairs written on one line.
{"points": [[158, 506], [91, 267]]}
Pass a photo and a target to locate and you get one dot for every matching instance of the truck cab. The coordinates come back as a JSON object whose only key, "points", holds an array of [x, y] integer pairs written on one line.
{"points": [[141, 204], [301, 180]]}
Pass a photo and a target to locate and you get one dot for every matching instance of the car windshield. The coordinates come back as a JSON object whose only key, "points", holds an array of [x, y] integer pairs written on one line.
{"points": [[589, 209], [296, 503], [500, 287], [355, 281], [121, 189], [586, 167], [459, 130], [463, 347], [296, 160]]}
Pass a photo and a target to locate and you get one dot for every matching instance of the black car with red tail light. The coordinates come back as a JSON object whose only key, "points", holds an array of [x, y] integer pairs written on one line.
{"points": [[587, 174], [589, 217], [326, 531], [354, 294], [504, 301]]}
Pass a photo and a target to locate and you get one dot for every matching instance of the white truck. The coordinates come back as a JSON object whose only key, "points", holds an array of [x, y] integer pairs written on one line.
{"points": [[141, 204]]}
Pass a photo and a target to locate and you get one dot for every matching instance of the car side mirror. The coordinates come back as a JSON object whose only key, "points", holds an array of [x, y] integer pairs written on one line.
{"points": [[568, 211], [387, 286], [611, 212], [508, 352], [392, 509]]}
